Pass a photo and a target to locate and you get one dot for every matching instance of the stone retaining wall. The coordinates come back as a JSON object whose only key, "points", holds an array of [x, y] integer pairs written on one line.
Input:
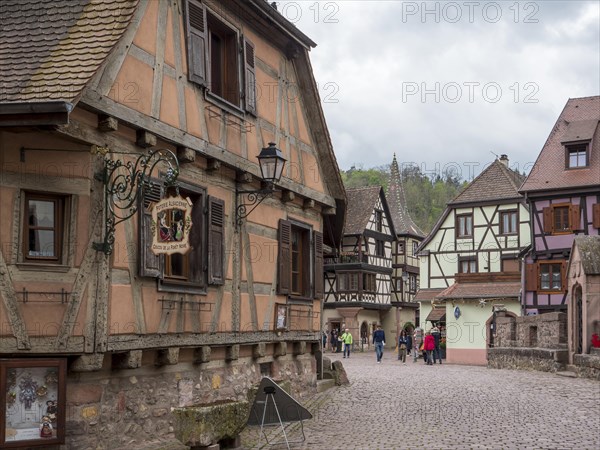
{"points": [[127, 407], [546, 360]]}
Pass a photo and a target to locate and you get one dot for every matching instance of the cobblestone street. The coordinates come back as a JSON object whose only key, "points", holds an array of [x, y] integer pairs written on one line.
{"points": [[396, 406]]}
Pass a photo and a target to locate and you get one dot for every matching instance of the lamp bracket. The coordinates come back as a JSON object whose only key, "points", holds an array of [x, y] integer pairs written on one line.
{"points": [[124, 184], [254, 198]]}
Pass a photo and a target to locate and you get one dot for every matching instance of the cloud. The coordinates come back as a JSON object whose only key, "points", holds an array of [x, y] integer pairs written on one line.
{"points": [[442, 82]]}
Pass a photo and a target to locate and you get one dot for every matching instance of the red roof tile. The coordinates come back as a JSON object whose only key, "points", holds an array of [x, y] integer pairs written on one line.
{"points": [[49, 49], [578, 118]]}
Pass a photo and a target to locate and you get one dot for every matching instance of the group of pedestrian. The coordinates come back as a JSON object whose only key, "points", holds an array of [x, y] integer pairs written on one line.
{"points": [[431, 346]]}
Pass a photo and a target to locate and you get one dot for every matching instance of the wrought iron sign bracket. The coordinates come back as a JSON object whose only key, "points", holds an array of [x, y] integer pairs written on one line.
{"points": [[254, 198], [124, 183]]}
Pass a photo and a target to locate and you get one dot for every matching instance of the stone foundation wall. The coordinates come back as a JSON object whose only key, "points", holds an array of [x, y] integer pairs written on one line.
{"points": [[545, 360], [127, 408], [542, 331], [588, 366]]}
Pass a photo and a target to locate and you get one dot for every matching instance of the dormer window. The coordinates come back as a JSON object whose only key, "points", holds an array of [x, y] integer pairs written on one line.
{"points": [[576, 155]]}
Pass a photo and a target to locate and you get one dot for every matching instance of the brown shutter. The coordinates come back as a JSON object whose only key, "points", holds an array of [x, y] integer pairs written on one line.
{"points": [[216, 238], [318, 265], [548, 223], [563, 275], [250, 75], [197, 265], [575, 218], [531, 277], [197, 42], [596, 215], [284, 280], [150, 265]]}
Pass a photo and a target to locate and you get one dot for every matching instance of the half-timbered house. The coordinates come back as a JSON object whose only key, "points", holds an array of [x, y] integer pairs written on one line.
{"points": [[563, 193], [93, 96], [358, 280], [405, 260], [470, 262]]}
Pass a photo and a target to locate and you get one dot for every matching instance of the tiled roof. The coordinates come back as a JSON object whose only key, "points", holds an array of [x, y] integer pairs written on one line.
{"points": [[398, 206], [49, 49], [579, 116], [480, 290], [424, 295], [361, 202], [589, 251], [496, 182]]}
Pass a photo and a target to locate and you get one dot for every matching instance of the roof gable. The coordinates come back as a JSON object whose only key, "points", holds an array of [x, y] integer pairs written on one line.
{"points": [[495, 183], [50, 49], [577, 122], [589, 253], [361, 203]]}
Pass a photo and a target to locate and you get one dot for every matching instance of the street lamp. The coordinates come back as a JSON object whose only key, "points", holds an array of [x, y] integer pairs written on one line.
{"points": [[271, 162]]}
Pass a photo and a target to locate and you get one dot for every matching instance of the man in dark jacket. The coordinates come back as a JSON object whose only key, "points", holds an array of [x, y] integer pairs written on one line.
{"points": [[435, 332], [379, 341]]}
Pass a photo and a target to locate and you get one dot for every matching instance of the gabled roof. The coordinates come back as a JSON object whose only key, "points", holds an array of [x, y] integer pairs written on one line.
{"points": [[510, 289], [361, 203], [589, 252], [496, 182], [577, 122], [398, 205], [49, 49]]}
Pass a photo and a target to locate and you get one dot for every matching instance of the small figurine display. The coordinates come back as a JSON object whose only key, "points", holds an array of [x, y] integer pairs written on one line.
{"points": [[51, 410], [46, 428], [28, 393]]}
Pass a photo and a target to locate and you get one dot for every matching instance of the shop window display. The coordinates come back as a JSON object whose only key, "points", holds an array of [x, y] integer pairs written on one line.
{"points": [[32, 397]]}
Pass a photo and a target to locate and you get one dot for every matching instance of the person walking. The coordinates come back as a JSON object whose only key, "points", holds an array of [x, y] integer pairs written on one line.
{"points": [[379, 341], [417, 341], [409, 342], [346, 339], [402, 346], [435, 332], [428, 346], [334, 340], [324, 340]]}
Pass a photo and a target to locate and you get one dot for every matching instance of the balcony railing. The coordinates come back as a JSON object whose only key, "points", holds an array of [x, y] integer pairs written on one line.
{"points": [[347, 259]]}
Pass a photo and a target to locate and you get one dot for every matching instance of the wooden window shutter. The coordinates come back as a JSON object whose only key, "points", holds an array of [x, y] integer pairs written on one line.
{"points": [[548, 220], [197, 265], [596, 215], [284, 280], [197, 39], [531, 277], [575, 218], [318, 264], [216, 239], [250, 77], [150, 265], [563, 276]]}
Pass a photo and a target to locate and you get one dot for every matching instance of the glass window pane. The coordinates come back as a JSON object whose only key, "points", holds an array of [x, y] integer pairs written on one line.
{"points": [[41, 213], [41, 243]]}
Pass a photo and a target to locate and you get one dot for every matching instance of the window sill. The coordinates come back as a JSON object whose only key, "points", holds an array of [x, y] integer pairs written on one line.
{"points": [[43, 267], [465, 237], [181, 288], [224, 104], [543, 291]]}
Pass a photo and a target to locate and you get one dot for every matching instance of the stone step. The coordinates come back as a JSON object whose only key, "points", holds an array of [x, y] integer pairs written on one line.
{"points": [[323, 385], [566, 374], [571, 368]]}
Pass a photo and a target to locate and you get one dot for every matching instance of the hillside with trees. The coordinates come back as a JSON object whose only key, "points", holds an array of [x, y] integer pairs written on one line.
{"points": [[426, 196]]}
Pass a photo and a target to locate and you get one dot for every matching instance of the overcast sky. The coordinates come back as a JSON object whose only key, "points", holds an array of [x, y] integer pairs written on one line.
{"points": [[447, 84]]}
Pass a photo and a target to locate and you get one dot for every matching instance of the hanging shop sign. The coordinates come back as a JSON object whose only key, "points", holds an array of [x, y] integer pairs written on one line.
{"points": [[171, 225]]}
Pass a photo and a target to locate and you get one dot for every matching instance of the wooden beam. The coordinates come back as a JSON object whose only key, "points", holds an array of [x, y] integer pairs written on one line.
{"points": [[202, 354], [287, 196], [212, 165], [280, 349], [328, 211], [127, 360], [185, 154], [232, 352], [145, 139], [91, 362], [94, 101], [107, 123], [309, 203], [299, 348], [259, 350], [167, 356]]}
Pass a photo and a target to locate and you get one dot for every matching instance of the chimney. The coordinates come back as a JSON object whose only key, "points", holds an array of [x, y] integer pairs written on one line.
{"points": [[504, 160]]}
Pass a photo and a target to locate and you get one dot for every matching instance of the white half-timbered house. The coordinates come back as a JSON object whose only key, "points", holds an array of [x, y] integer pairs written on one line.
{"points": [[470, 266], [358, 280]]}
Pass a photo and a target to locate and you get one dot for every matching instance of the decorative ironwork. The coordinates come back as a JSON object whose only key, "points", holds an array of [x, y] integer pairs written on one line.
{"points": [[255, 198], [123, 184], [44, 296]]}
